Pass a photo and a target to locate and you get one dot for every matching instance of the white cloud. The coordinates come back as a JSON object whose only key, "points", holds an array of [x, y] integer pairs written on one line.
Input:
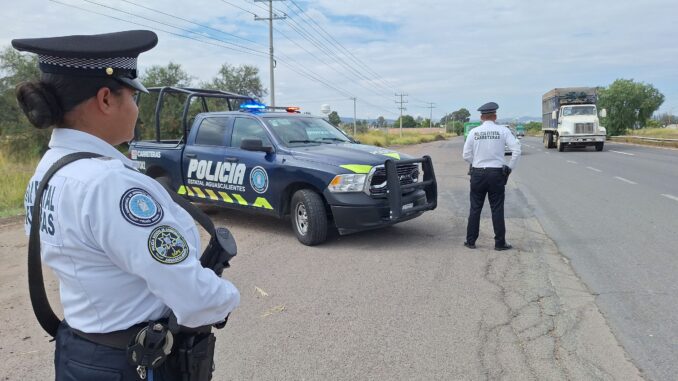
{"points": [[454, 53]]}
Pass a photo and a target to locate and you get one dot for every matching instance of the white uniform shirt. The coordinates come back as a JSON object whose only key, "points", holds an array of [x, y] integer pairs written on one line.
{"points": [[484, 146], [123, 251]]}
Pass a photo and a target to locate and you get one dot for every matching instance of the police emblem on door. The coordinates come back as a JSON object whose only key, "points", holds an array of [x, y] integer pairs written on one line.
{"points": [[139, 208], [167, 246], [259, 179]]}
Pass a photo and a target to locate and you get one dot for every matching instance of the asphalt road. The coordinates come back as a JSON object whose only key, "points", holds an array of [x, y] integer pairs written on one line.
{"points": [[407, 302], [614, 214]]}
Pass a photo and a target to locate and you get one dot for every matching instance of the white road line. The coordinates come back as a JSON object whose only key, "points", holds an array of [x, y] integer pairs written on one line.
{"points": [[670, 196], [624, 153], [625, 180], [594, 169], [573, 162]]}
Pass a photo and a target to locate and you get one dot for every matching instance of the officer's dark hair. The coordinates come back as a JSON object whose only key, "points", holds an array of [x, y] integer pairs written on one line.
{"points": [[490, 116], [45, 102]]}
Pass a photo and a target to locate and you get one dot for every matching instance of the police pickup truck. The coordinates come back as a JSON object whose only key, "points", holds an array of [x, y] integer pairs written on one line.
{"points": [[283, 163]]}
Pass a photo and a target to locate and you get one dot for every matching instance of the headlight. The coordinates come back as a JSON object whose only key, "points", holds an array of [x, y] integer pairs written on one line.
{"points": [[347, 183]]}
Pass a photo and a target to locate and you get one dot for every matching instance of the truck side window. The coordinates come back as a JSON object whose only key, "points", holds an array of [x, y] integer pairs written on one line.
{"points": [[246, 128], [212, 132]]}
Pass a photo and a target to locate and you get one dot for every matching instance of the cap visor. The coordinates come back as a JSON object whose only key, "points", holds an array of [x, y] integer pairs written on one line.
{"points": [[133, 83]]}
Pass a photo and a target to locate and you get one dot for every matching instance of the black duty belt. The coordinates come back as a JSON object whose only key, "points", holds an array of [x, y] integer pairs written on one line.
{"points": [[116, 339], [490, 169]]}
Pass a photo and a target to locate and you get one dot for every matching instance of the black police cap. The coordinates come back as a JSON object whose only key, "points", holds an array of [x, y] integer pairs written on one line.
{"points": [[488, 108], [98, 55]]}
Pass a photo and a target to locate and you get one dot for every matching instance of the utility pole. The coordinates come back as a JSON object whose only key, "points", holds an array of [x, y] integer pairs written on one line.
{"points": [[430, 119], [401, 101], [270, 19], [354, 99]]}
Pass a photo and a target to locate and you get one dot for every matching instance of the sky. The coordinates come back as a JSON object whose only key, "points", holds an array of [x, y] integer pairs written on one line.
{"points": [[451, 53]]}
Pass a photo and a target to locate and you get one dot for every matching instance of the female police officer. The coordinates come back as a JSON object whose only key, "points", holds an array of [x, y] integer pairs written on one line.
{"points": [[123, 251]]}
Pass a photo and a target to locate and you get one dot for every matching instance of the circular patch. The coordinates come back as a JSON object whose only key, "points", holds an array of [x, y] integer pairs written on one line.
{"points": [[139, 208], [259, 179], [167, 246]]}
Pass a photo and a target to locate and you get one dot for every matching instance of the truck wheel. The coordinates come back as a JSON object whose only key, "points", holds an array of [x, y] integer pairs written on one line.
{"points": [[561, 146], [308, 217], [548, 140], [599, 146]]}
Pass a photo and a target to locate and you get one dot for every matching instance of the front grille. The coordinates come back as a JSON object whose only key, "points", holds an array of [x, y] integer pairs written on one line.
{"points": [[407, 174], [583, 128]]}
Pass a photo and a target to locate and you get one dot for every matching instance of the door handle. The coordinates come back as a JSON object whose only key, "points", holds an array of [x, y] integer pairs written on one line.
{"points": [[232, 158], [191, 155]]}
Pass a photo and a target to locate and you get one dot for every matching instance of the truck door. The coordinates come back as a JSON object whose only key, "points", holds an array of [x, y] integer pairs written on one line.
{"points": [[258, 185], [205, 165]]}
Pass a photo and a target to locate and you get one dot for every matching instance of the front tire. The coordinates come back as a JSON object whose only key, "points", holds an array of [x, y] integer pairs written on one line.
{"points": [[599, 146], [561, 145], [308, 217]]}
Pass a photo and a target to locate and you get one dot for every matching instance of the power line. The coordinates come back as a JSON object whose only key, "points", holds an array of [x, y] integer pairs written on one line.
{"points": [[315, 56], [299, 71], [402, 102], [241, 8], [430, 119], [192, 22], [327, 53], [271, 17], [340, 59], [176, 27], [151, 27], [337, 44]]}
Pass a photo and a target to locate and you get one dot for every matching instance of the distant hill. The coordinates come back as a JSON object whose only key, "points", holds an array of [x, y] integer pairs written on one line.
{"points": [[522, 119]]}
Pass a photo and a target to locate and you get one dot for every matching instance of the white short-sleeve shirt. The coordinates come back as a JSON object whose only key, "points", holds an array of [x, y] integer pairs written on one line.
{"points": [[123, 251]]}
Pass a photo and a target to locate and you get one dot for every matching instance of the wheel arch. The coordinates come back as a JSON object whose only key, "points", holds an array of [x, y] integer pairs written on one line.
{"points": [[290, 189]]}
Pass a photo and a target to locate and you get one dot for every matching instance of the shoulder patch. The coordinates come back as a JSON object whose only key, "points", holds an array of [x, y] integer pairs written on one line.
{"points": [[167, 246], [139, 208]]}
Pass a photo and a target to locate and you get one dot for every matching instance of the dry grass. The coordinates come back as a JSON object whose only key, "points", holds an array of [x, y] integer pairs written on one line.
{"points": [[15, 175], [662, 133], [380, 138]]}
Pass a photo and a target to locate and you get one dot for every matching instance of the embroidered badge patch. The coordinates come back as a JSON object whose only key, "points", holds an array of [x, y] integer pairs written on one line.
{"points": [[139, 208], [259, 179], [167, 246]]}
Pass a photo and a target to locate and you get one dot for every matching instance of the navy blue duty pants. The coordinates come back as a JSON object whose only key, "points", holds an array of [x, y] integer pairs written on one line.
{"points": [[488, 182], [78, 359]]}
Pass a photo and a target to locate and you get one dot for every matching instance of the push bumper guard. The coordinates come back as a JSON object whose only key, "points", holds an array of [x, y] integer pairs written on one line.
{"points": [[395, 189]]}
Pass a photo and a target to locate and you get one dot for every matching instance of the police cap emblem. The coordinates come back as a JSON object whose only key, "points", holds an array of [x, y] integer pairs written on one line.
{"points": [[167, 246], [139, 208]]}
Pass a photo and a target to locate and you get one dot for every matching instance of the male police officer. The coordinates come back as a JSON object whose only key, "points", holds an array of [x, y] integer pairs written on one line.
{"points": [[484, 150]]}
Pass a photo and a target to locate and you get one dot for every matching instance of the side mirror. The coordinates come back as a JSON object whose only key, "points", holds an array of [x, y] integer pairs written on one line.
{"points": [[554, 115], [255, 145], [603, 113]]}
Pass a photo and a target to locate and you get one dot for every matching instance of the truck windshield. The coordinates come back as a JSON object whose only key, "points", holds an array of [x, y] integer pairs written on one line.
{"points": [[579, 110], [301, 131]]}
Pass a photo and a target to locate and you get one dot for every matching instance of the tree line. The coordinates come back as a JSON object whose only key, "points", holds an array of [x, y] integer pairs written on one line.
{"points": [[20, 140], [630, 105]]}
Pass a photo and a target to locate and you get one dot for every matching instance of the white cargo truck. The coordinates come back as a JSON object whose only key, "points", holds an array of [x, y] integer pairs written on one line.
{"points": [[570, 118]]}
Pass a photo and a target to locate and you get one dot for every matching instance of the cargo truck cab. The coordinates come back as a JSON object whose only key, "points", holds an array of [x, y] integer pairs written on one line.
{"points": [[571, 119]]}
